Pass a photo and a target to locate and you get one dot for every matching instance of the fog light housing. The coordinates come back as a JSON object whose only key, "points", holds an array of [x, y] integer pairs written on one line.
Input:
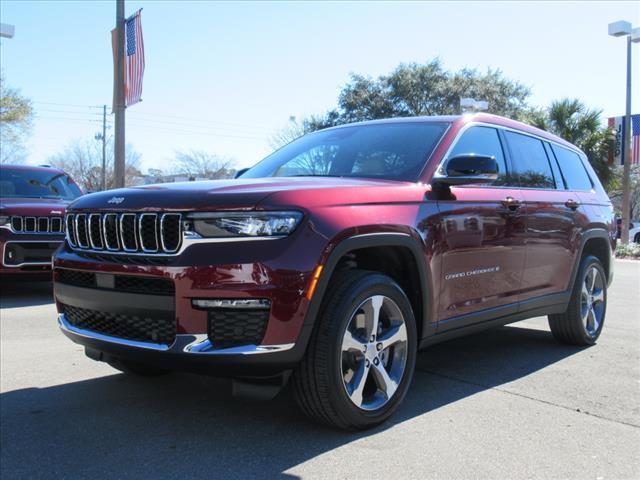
{"points": [[236, 303]]}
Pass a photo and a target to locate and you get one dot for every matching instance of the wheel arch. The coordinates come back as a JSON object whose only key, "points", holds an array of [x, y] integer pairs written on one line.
{"points": [[595, 242], [387, 245]]}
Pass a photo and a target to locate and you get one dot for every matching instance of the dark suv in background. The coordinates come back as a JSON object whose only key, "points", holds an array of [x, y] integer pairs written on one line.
{"points": [[336, 258], [32, 207]]}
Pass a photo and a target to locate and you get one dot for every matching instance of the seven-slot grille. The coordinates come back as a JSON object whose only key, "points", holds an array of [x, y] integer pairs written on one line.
{"points": [[147, 233], [28, 224]]}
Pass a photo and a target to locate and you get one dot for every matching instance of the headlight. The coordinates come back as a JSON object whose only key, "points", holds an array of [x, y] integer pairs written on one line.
{"points": [[4, 221], [242, 224]]}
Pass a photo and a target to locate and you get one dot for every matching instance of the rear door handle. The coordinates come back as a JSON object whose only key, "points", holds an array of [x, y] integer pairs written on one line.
{"points": [[572, 204], [511, 203]]}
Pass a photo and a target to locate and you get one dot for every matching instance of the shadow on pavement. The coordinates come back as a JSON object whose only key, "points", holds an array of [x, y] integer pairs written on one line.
{"points": [[25, 293], [189, 426]]}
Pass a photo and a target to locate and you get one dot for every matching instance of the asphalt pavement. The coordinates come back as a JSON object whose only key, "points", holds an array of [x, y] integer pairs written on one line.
{"points": [[506, 403]]}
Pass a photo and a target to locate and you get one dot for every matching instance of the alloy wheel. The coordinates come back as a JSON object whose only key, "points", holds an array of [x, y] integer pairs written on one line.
{"points": [[592, 301], [374, 352]]}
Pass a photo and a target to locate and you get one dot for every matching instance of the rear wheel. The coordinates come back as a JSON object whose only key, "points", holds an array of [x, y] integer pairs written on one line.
{"points": [[636, 239], [582, 323], [361, 356]]}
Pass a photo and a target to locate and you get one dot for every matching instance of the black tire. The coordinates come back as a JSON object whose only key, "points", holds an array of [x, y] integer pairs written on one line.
{"points": [[139, 369], [636, 239], [569, 327], [318, 381]]}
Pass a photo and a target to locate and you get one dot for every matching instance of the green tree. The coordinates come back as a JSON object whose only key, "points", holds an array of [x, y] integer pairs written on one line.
{"points": [[573, 121], [421, 89], [16, 114]]}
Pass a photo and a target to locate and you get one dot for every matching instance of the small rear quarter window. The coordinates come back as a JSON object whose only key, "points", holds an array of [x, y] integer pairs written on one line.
{"points": [[573, 171]]}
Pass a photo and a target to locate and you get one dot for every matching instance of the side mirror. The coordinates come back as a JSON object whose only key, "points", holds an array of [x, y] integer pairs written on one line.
{"points": [[240, 172], [468, 169]]}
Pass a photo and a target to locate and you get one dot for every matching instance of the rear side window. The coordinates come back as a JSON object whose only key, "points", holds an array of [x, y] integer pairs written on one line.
{"points": [[573, 171], [529, 160], [481, 141]]}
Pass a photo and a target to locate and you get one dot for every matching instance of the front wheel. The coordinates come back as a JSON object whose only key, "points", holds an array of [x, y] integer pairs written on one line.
{"points": [[582, 323], [362, 354]]}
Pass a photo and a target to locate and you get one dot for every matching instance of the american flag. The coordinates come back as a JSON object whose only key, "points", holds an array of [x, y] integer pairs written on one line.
{"points": [[134, 59]]}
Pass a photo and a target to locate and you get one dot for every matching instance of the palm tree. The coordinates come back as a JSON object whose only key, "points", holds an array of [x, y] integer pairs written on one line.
{"points": [[572, 120]]}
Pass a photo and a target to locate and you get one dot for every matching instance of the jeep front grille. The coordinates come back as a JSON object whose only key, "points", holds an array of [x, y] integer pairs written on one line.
{"points": [[145, 233], [29, 224]]}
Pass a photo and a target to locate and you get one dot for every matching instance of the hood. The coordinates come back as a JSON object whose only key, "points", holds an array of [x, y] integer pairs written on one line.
{"points": [[32, 206], [238, 194]]}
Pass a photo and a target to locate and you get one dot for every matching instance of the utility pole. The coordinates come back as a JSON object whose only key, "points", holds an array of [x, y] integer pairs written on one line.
{"points": [[119, 165], [104, 148]]}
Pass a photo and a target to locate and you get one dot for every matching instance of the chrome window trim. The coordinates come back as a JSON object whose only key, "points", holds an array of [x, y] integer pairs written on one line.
{"points": [[93, 245], [104, 232], [23, 264], [440, 168], [135, 235], [180, 233], [190, 344], [155, 232]]}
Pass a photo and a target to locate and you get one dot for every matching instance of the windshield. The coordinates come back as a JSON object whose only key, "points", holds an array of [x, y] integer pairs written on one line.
{"points": [[18, 183], [392, 151]]}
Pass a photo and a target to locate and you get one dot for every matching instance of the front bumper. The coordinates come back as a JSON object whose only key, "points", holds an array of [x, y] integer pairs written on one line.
{"points": [[277, 271], [190, 353], [27, 253]]}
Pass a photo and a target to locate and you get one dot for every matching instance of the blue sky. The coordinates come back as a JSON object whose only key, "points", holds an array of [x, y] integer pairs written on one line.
{"points": [[223, 77]]}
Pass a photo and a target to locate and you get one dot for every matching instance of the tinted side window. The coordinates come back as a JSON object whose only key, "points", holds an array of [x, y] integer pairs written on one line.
{"points": [[573, 171], [482, 141], [529, 159]]}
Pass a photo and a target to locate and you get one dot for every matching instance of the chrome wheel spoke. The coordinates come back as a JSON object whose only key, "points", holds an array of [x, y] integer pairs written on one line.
{"points": [[591, 280], [374, 352], [598, 295], [591, 319], [373, 315], [359, 382], [385, 383], [394, 335], [349, 342]]}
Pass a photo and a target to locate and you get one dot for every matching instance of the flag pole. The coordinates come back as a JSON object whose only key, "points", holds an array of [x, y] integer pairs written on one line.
{"points": [[119, 164]]}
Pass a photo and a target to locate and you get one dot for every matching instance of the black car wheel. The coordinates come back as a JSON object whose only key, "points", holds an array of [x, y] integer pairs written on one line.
{"points": [[361, 356]]}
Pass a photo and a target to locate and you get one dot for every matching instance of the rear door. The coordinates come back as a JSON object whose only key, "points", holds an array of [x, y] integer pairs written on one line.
{"points": [[552, 235], [481, 242]]}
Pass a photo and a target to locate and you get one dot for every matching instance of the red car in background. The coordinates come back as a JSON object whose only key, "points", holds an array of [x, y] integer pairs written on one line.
{"points": [[32, 207]]}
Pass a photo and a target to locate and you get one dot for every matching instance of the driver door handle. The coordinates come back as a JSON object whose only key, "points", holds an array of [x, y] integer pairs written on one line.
{"points": [[511, 203]]}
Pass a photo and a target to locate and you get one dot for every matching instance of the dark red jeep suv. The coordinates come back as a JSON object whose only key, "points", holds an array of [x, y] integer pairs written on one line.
{"points": [[32, 207], [336, 258]]}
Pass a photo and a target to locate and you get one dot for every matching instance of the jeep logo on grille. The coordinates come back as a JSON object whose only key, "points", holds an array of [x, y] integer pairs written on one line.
{"points": [[116, 200]]}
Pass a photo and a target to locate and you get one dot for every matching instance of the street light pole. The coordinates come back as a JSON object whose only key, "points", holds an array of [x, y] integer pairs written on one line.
{"points": [[626, 169], [620, 29]]}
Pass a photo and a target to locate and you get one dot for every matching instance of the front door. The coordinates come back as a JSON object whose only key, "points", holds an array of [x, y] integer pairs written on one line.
{"points": [[481, 241]]}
